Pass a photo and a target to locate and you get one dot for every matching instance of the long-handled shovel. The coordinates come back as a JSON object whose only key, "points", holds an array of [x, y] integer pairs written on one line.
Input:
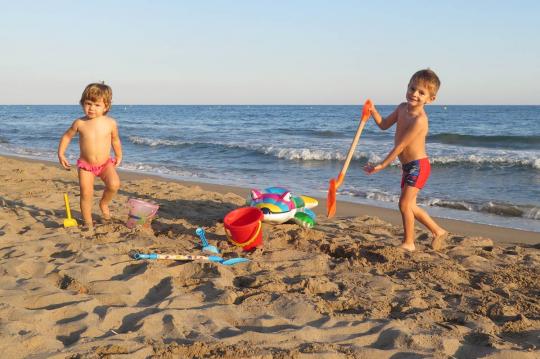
{"points": [[68, 222], [180, 257], [335, 183]]}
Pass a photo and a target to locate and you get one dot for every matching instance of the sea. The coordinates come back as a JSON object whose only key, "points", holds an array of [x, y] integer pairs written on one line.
{"points": [[485, 159]]}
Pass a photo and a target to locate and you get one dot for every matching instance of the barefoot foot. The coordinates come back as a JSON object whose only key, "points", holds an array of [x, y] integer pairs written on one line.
{"points": [[408, 246], [438, 241], [87, 231], [105, 212]]}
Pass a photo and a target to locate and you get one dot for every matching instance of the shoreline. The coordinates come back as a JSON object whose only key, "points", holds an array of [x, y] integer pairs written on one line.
{"points": [[502, 235]]}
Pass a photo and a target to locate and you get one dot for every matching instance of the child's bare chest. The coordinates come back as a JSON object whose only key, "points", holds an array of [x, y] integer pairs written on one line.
{"points": [[403, 125], [94, 130]]}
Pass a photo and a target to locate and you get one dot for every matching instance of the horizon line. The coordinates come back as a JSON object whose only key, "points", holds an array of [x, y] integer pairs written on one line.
{"points": [[259, 104]]}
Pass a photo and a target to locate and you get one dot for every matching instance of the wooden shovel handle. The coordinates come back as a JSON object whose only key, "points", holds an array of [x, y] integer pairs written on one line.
{"points": [[366, 112]]}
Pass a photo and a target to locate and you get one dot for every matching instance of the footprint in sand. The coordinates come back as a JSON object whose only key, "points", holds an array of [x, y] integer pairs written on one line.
{"points": [[63, 254], [69, 283], [130, 271], [157, 293], [70, 337]]}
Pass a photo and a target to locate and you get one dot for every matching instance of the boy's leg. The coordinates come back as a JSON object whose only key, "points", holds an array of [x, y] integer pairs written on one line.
{"points": [[407, 202], [86, 182], [439, 234], [112, 184], [408, 196]]}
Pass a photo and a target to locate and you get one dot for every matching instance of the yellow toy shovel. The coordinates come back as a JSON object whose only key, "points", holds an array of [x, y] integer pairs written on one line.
{"points": [[68, 222]]}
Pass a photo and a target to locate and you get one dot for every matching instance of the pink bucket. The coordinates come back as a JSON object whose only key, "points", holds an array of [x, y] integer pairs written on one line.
{"points": [[140, 213]]}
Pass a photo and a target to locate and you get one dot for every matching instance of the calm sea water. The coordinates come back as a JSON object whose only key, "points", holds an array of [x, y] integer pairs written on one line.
{"points": [[485, 159]]}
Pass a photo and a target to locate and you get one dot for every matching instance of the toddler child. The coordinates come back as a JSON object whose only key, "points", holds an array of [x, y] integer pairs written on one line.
{"points": [[97, 133]]}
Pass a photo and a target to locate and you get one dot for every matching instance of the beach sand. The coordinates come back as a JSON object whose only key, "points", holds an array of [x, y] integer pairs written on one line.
{"points": [[340, 290]]}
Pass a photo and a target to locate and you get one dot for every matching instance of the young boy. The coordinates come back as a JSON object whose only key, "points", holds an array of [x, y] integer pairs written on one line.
{"points": [[410, 148], [97, 133]]}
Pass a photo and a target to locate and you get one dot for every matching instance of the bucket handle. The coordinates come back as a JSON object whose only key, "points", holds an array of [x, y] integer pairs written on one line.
{"points": [[150, 215], [248, 242]]}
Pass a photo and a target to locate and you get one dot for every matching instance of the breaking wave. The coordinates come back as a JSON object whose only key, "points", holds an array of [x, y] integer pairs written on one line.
{"points": [[490, 207], [510, 142]]}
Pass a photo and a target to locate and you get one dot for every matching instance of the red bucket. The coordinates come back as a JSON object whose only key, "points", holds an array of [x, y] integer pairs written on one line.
{"points": [[243, 227]]}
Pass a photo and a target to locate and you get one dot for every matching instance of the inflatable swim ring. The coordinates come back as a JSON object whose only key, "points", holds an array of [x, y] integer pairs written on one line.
{"points": [[279, 206]]}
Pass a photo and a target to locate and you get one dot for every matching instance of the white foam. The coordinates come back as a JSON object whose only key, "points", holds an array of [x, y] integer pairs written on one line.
{"points": [[304, 154], [45, 154], [505, 159], [159, 170], [153, 142]]}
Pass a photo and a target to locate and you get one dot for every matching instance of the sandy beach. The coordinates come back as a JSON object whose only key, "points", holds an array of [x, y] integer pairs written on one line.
{"points": [[339, 290]]}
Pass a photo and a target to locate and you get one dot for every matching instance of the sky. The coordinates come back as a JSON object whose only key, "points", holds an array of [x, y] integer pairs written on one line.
{"points": [[268, 52]]}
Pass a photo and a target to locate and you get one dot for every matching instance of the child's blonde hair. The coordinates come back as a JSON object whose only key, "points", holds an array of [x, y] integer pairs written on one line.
{"points": [[96, 91], [428, 77]]}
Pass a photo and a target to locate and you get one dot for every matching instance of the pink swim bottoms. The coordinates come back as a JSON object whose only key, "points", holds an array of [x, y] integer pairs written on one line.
{"points": [[96, 170]]}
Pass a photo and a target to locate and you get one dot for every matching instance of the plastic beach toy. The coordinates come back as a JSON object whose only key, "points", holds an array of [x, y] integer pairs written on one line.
{"points": [[243, 227], [280, 206], [335, 183], [68, 222], [205, 245], [140, 213], [180, 257]]}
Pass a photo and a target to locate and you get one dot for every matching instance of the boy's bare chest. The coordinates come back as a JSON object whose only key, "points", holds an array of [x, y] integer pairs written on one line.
{"points": [[404, 123]]}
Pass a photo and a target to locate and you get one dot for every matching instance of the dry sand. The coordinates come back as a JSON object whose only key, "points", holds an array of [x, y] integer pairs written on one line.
{"points": [[341, 290]]}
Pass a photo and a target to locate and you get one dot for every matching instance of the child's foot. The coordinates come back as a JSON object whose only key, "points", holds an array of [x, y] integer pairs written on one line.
{"points": [[87, 231], [438, 242], [408, 246], [105, 212], [105, 220]]}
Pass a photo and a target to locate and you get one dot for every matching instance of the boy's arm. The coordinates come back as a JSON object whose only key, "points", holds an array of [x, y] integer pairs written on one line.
{"points": [[64, 142], [384, 123], [413, 131], [116, 144]]}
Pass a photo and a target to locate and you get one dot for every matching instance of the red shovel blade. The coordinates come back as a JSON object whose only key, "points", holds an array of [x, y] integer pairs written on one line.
{"points": [[366, 110], [331, 199]]}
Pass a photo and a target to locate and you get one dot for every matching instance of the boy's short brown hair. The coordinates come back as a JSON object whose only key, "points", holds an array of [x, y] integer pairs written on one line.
{"points": [[96, 91], [429, 78]]}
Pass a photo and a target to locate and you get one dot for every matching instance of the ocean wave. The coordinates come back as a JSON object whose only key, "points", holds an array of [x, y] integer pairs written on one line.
{"points": [[500, 160], [312, 133], [373, 195], [38, 153], [496, 208], [306, 154], [160, 170], [511, 142], [155, 142], [280, 152]]}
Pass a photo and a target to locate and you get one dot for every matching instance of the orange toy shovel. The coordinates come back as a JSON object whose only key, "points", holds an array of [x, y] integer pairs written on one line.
{"points": [[335, 183]]}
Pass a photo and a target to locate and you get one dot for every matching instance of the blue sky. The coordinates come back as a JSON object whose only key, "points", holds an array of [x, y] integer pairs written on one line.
{"points": [[268, 52]]}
